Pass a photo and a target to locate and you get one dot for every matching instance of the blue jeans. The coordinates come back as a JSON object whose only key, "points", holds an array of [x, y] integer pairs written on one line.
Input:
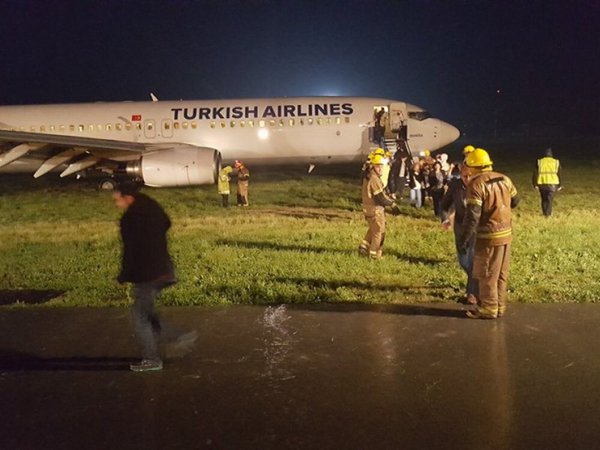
{"points": [[146, 323], [465, 260], [416, 197]]}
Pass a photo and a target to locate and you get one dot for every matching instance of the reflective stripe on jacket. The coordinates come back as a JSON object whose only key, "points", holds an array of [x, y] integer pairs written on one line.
{"points": [[491, 194]]}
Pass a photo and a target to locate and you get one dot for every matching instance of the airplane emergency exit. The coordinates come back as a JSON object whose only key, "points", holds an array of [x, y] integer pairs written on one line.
{"points": [[177, 143]]}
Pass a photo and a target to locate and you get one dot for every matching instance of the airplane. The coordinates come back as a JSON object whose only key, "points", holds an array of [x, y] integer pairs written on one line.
{"points": [[180, 143]]}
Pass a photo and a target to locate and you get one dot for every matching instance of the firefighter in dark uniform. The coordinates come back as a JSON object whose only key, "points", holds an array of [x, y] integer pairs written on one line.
{"points": [[243, 175], [490, 198], [546, 179], [374, 201]]}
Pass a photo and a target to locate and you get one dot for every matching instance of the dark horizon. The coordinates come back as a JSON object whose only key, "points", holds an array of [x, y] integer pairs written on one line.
{"points": [[482, 66]]}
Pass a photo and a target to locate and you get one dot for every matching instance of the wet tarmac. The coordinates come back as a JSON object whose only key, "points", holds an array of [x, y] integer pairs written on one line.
{"points": [[306, 377]]}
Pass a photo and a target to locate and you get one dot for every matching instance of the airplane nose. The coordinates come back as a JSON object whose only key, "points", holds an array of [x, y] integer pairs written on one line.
{"points": [[447, 133]]}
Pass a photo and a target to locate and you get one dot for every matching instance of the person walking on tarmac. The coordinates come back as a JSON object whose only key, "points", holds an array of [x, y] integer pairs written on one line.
{"points": [[490, 198], [147, 265], [546, 179], [223, 185], [374, 201], [243, 175]]}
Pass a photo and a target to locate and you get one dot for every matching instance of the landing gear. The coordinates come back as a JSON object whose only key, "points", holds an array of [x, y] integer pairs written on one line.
{"points": [[107, 184]]}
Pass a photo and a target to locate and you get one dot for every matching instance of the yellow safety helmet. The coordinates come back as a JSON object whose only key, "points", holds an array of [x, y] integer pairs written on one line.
{"points": [[378, 160], [478, 158], [468, 149], [427, 153], [227, 169]]}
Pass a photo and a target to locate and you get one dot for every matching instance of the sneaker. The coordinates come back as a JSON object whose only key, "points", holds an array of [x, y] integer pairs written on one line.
{"points": [[147, 365], [476, 314], [362, 251]]}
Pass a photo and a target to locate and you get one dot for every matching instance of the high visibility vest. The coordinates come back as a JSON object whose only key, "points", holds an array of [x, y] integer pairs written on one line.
{"points": [[548, 171]]}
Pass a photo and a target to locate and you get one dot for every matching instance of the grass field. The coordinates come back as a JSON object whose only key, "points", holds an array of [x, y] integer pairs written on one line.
{"points": [[297, 241]]}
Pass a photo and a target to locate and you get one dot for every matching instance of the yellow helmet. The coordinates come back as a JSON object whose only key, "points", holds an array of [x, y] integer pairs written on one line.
{"points": [[378, 160], [427, 153], [478, 158], [468, 149], [227, 169]]}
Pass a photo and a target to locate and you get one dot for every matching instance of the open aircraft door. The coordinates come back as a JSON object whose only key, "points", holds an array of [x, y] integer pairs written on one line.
{"points": [[398, 116]]}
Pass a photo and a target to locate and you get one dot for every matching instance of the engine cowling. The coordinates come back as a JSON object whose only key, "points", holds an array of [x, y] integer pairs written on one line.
{"points": [[179, 166]]}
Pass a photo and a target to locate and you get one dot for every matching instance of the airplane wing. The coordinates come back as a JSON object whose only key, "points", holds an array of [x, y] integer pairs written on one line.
{"points": [[57, 150], [157, 164]]}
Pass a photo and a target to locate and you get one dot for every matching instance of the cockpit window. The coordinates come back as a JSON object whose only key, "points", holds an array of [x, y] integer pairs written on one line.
{"points": [[419, 115]]}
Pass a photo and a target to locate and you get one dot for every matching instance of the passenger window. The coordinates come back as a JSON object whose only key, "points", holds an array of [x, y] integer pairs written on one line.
{"points": [[185, 125], [33, 129], [328, 121], [52, 128], [261, 123], [43, 128], [291, 122], [166, 125], [302, 122], [251, 123], [319, 121], [194, 125], [91, 127], [223, 124], [149, 126], [176, 125], [347, 119], [138, 126], [272, 122], [242, 124], [281, 122], [108, 127], [338, 120], [81, 128], [99, 127], [310, 121], [71, 127], [128, 126], [212, 124], [232, 124], [118, 127]]}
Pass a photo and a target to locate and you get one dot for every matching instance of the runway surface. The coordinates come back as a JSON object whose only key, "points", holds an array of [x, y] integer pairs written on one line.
{"points": [[305, 376]]}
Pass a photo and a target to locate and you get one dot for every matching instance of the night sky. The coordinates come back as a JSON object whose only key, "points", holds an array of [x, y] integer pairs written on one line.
{"points": [[450, 57]]}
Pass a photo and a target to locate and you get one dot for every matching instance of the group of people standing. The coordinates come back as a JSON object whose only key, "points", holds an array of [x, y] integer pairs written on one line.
{"points": [[243, 181], [468, 196]]}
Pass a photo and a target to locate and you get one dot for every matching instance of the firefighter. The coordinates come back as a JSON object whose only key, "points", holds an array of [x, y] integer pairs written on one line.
{"points": [[546, 179], [374, 201], [223, 185], [243, 175], [490, 198]]}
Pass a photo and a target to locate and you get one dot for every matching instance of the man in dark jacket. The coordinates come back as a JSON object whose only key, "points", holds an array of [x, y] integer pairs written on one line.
{"points": [[146, 263], [454, 200]]}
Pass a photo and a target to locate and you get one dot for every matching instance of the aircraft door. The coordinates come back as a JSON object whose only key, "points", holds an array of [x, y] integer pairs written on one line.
{"points": [[167, 128], [149, 129], [398, 116]]}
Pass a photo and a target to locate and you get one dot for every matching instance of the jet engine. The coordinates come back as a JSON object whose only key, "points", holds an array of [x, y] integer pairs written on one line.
{"points": [[177, 166]]}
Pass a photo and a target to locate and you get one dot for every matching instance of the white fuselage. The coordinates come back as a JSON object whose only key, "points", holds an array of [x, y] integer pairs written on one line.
{"points": [[280, 130]]}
